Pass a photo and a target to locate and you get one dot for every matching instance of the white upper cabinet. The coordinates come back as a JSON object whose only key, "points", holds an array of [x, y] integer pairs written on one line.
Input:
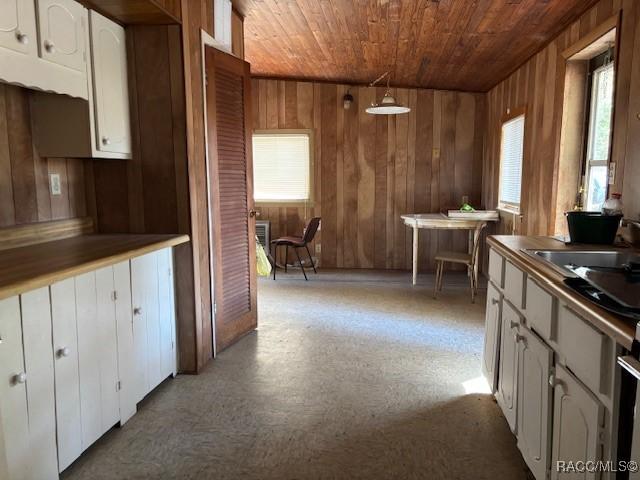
{"points": [[63, 33], [18, 26], [43, 45], [111, 97]]}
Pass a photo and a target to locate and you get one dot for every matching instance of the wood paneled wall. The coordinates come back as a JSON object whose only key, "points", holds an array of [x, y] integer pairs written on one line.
{"points": [[368, 170], [24, 175], [538, 85]]}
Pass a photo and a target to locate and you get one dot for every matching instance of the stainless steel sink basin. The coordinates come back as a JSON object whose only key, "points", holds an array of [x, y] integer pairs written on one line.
{"points": [[595, 258]]}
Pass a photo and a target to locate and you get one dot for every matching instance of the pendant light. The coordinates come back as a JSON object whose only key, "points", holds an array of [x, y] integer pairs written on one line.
{"points": [[388, 105]]}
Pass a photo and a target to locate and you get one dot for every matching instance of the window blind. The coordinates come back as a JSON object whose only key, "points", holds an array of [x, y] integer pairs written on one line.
{"points": [[281, 167], [511, 161]]}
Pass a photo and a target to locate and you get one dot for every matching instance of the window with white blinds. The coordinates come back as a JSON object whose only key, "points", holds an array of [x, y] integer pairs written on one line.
{"points": [[511, 153], [282, 166]]}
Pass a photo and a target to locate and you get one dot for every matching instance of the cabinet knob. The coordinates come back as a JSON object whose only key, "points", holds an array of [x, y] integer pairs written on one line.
{"points": [[64, 352], [518, 338], [106, 141], [495, 301], [22, 38], [513, 324], [137, 311], [19, 378], [49, 46], [554, 382]]}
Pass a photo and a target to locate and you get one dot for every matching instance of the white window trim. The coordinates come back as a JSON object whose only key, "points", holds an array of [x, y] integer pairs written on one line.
{"points": [[288, 202]]}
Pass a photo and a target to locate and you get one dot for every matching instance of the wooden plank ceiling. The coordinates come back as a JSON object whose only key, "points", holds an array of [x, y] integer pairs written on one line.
{"points": [[466, 45]]}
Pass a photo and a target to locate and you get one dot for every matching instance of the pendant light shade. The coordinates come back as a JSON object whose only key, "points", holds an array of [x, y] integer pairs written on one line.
{"points": [[388, 105]]}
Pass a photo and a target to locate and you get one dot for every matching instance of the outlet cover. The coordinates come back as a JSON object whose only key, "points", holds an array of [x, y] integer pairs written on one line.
{"points": [[54, 183], [318, 248], [436, 153]]}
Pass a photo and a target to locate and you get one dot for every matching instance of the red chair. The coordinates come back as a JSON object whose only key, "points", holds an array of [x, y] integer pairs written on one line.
{"points": [[296, 243]]}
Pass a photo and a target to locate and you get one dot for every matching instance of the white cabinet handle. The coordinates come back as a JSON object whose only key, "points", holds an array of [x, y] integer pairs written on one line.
{"points": [[22, 38], [106, 141], [518, 338], [554, 382], [137, 311], [20, 378], [64, 352], [514, 324], [49, 46], [495, 301]]}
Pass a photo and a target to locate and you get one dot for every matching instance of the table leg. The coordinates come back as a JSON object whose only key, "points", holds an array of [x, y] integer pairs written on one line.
{"points": [[415, 255]]}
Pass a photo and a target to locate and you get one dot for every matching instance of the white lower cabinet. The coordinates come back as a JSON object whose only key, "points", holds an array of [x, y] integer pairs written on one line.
{"points": [[154, 319], [534, 402], [69, 358], [507, 392], [490, 353], [577, 422], [67, 376], [14, 416]]}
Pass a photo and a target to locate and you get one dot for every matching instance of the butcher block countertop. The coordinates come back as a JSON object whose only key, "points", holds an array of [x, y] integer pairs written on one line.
{"points": [[511, 247], [34, 266]]}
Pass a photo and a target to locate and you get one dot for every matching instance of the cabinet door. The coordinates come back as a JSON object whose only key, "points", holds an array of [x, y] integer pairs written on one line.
{"points": [[167, 313], [492, 337], [111, 92], [126, 353], [146, 325], [38, 364], [18, 26], [108, 354], [65, 347], [63, 33], [577, 419], [534, 403], [508, 373], [89, 345], [14, 420]]}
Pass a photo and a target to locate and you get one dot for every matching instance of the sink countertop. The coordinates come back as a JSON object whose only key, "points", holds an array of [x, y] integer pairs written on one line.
{"points": [[34, 266], [512, 247]]}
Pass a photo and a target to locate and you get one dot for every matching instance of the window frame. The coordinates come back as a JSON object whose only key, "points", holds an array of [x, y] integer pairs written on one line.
{"points": [[288, 131], [512, 114], [596, 65]]}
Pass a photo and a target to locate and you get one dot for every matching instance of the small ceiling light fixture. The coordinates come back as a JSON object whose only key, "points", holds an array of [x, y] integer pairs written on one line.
{"points": [[347, 100], [388, 104]]}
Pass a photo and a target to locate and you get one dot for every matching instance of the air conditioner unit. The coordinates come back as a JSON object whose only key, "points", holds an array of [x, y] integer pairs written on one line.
{"points": [[263, 232]]}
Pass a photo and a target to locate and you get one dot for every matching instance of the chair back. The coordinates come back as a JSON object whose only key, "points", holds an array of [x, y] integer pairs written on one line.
{"points": [[476, 242], [311, 229]]}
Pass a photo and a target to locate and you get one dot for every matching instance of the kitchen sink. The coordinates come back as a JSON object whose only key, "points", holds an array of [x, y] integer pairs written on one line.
{"points": [[568, 260]]}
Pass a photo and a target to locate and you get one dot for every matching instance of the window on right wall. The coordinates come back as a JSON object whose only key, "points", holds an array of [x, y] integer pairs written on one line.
{"points": [[596, 170]]}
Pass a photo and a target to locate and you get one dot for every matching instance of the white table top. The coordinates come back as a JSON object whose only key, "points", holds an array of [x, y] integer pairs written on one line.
{"points": [[440, 220]]}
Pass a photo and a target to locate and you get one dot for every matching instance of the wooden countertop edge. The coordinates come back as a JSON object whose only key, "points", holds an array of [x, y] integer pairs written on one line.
{"points": [[621, 332], [54, 276]]}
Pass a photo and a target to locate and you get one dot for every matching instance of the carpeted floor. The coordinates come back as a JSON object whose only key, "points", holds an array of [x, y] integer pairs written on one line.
{"points": [[350, 375]]}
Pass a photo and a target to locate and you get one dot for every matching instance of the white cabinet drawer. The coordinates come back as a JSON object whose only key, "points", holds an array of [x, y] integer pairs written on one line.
{"points": [[496, 268], [583, 349], [541, 311], [514, 285]]}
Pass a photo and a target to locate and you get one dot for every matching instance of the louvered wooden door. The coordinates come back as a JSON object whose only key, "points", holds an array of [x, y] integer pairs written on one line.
{"points": [[231, 196]]}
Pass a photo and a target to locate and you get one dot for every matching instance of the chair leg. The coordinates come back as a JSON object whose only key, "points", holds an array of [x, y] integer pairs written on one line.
{"points": [[473, 287], [300, 262], [286, 258], [310, 258], [435, 283], [275, 260], [441, 276]]}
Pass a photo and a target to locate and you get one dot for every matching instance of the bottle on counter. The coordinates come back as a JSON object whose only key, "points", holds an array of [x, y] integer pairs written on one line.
{"points": [[613, 205]]}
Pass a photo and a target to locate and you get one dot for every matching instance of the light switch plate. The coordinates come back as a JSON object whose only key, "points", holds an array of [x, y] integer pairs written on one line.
{"points": [[318, 248], [436, 153], [54, 184]]}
